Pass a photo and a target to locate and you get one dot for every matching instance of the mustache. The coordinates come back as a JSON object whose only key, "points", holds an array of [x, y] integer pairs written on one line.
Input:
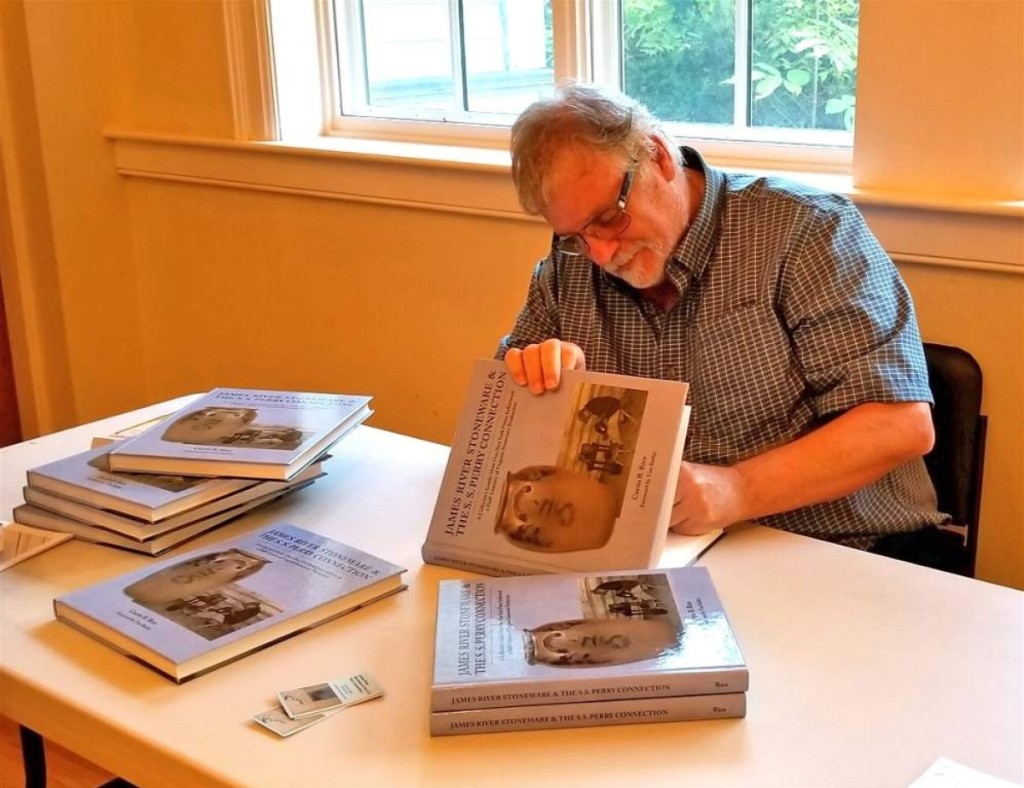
{"points": [[625, 254]]}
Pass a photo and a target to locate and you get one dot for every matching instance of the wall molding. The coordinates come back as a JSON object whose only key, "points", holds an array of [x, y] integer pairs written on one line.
{"points": [[250, 70], [955, 232]]}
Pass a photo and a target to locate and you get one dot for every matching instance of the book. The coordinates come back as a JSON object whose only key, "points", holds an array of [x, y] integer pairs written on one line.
{"points": [[589, 714], [154, 544], [580, 637], [243, 433], [19, 542], [577, 479], [125, 432], [86, 477], [141, 528], [192, 613]]}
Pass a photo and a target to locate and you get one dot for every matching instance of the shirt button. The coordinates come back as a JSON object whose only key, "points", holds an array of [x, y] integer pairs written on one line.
{"points": [[671, 372]]}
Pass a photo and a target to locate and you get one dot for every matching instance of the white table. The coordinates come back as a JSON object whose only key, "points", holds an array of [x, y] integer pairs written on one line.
{"points": [[863, 670]]}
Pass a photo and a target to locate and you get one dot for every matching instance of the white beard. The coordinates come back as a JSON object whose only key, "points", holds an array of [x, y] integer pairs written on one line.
{"points": [[644, 273]]}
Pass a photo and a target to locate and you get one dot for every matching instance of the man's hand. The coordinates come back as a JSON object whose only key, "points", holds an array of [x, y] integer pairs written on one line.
{"points": [[540, 366], [838, 458], [708, 497]]}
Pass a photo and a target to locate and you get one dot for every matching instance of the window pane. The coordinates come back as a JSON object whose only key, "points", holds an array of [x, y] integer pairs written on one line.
{"points": [[442, 58], [690, 62], [804, 63], [768, 71], [509, 57], [679, 58], [409, 55]]}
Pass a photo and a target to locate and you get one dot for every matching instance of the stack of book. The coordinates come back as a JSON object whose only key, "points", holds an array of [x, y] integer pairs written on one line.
{"points": [[223, 455], [585, 649]]}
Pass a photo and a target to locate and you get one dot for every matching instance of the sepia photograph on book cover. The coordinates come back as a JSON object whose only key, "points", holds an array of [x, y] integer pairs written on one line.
{"points": [[229, 597], [576, 479], [542, 639], [250, 426]]}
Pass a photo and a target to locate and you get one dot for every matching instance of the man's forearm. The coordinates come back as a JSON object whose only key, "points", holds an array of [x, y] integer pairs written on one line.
{"points": [[848, 453], [839, 458]]}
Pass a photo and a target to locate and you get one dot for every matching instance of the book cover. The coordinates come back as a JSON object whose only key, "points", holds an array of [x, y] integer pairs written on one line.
{"points": [[154, 544], [577, 479], [192, 613], [589, 714], [574, 638], [246, 433], [86, 477], [143, 529]]}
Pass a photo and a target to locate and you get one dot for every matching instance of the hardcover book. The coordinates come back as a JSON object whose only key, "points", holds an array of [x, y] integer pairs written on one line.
{"points": [[589, 714], [574, 638], [576, 479], [195, 612], [125, 432], [244, 433], [86, 477], [148, 544], [142, 528]]}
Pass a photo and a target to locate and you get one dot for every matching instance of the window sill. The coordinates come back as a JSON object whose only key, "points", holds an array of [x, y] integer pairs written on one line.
{"points": [[927, 228]]}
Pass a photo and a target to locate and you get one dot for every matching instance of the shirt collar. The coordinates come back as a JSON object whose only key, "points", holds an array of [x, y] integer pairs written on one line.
{"points": [[693, 253], [695, 250]]}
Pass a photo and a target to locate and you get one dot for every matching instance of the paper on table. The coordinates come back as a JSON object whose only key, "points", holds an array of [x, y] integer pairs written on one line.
{"points": [[329, 696], [18, 542], [946, 773]]}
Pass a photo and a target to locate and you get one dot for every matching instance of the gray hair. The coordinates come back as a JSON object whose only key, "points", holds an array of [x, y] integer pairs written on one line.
{"points": [[578, 114]]}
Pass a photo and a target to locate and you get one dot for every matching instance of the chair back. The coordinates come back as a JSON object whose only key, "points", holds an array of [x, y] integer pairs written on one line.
{"points": [[956, 463]]}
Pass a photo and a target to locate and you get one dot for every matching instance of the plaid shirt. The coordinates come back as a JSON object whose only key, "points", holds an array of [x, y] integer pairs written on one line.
{"points": [[789, 313]]}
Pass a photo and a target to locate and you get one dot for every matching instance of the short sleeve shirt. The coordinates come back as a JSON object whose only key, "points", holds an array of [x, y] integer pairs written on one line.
{"points": [[789, 314]]}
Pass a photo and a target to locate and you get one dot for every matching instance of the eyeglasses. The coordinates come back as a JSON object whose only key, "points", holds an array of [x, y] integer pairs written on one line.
{"points": [[611, 227]]}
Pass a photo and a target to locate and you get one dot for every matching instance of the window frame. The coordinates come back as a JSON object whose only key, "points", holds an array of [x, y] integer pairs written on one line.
{"points": [[308, 84]]}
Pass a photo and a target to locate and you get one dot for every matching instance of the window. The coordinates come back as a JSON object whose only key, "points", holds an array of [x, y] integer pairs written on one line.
{"points": [[745, 71], [445, 60]]}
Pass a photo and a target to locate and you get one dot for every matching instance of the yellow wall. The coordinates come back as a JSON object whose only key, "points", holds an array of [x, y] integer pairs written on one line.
{"points": [[129, 290]]}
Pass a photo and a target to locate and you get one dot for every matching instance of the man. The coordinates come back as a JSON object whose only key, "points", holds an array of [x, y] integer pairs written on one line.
{"points": [[773, 300]]}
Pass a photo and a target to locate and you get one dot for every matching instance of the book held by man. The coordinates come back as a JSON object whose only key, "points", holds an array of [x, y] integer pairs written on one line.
{"points": [[244, 433], [192, 613], [563, 639], [576, 479]]}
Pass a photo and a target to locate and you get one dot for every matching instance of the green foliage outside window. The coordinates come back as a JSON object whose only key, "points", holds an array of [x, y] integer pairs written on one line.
{"points": [[680, 61]]}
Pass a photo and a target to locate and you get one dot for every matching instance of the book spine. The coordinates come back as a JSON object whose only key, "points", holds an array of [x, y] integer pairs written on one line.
{"points": [[584, 715], [536, 693], [456, 559]]}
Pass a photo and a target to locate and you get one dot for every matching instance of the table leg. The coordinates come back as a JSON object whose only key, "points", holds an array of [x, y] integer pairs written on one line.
{"points": [[33, 755]]}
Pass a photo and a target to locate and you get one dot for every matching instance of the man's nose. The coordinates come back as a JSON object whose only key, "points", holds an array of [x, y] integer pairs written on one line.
{"points": [[602, 250]]}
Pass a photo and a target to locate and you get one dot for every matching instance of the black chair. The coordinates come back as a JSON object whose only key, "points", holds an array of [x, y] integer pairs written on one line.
{"points": [[956, 463]]}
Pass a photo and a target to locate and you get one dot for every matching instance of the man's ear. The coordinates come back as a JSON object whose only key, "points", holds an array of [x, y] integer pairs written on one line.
{"points": [[664, 160]]}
